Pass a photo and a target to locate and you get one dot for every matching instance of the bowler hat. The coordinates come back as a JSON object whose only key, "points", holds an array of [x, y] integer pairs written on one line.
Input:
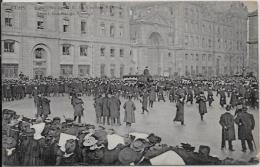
{"points": [[127, 156], [138, 145]]}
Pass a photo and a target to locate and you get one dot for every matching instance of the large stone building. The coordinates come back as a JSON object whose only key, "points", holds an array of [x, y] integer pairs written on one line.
{"points": [[189, 38], [65, 39], [252, 58], [113, 39]]}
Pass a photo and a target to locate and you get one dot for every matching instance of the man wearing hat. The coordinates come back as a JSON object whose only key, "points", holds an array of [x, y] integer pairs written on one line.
{"points": [[246, 124], [228, 128], [222, 100], [130, 108], [77, 104], [98, 105], [210, 96], [114, 107], [201, 100]]}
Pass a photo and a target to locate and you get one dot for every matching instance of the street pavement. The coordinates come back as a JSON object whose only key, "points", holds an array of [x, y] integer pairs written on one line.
{"points": [[159, 121]]}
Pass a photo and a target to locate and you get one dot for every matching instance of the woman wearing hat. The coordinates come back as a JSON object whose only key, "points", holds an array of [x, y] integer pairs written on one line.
{"points": [[130, 108], [180, 110], [201, 100]]}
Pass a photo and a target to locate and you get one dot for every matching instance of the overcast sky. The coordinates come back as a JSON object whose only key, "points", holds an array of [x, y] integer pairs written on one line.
{"points": [[251, 5]]}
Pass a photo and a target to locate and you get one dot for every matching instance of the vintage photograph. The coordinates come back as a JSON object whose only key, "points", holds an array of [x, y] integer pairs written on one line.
{"points": [[130, 83]]}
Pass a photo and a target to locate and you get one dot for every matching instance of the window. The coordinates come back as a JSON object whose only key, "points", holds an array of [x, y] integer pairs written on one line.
{"points": [[9, 46], [40, 20], [121, 52], [186, 11], [121, 31], [102, 69], [186, 56], [112, 10], [192, 70], [83, 50], [101, 9], [209, 43], [203, 42], [9, 70], [66, 70], [112, 52], [192, 56], [121, 12], [8, 22], [65, 25], [66, 50], [197, 70], [203, 57], [83, 27], [197, 57], [112, 70], [112, 31], [65, 5], [84, 70], [83, 7], [102, 29], [209, 57], [102, 51], [186, 41], [186, 70], [40, 25], [204, 70], [122, 66], [39, 53], [169, 54]]}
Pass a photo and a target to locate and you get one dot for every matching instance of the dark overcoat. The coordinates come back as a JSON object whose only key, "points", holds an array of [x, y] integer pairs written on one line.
{"points": [[228, 127], [46, 106], [77, 104], [129, 107], [246, 124], [98, 107], [114, 107], [202, 104], [179, 111], [105, 105]]}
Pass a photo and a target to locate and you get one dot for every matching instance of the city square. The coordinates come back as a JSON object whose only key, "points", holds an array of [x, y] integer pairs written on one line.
{"points": [[130, 83], [159, 121]]}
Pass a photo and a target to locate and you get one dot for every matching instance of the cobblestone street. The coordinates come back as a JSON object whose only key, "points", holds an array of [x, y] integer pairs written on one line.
{"points": [[159, 121]]}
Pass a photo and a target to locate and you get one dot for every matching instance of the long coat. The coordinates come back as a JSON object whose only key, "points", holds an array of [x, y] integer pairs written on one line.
{"points": [[77, 104], [227, 120], [202, 104], [46, 106], [105, 107], [222, 100], [38, 102], [180, 111], [98, 107], [246, 124], [114, 107], [129, 107], [233, 99], [152, 95]]}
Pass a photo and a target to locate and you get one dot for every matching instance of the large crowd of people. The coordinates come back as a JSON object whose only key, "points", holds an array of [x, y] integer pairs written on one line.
{"points": [[42, 141]]}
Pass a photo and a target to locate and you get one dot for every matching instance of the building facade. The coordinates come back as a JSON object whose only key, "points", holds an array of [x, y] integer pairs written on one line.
{"points": [[112, 39], [65, 39], [252, 58], [189, 38]]}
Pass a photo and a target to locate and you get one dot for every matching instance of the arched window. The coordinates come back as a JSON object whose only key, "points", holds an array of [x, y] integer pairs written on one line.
{"points": [[121, 31]]}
